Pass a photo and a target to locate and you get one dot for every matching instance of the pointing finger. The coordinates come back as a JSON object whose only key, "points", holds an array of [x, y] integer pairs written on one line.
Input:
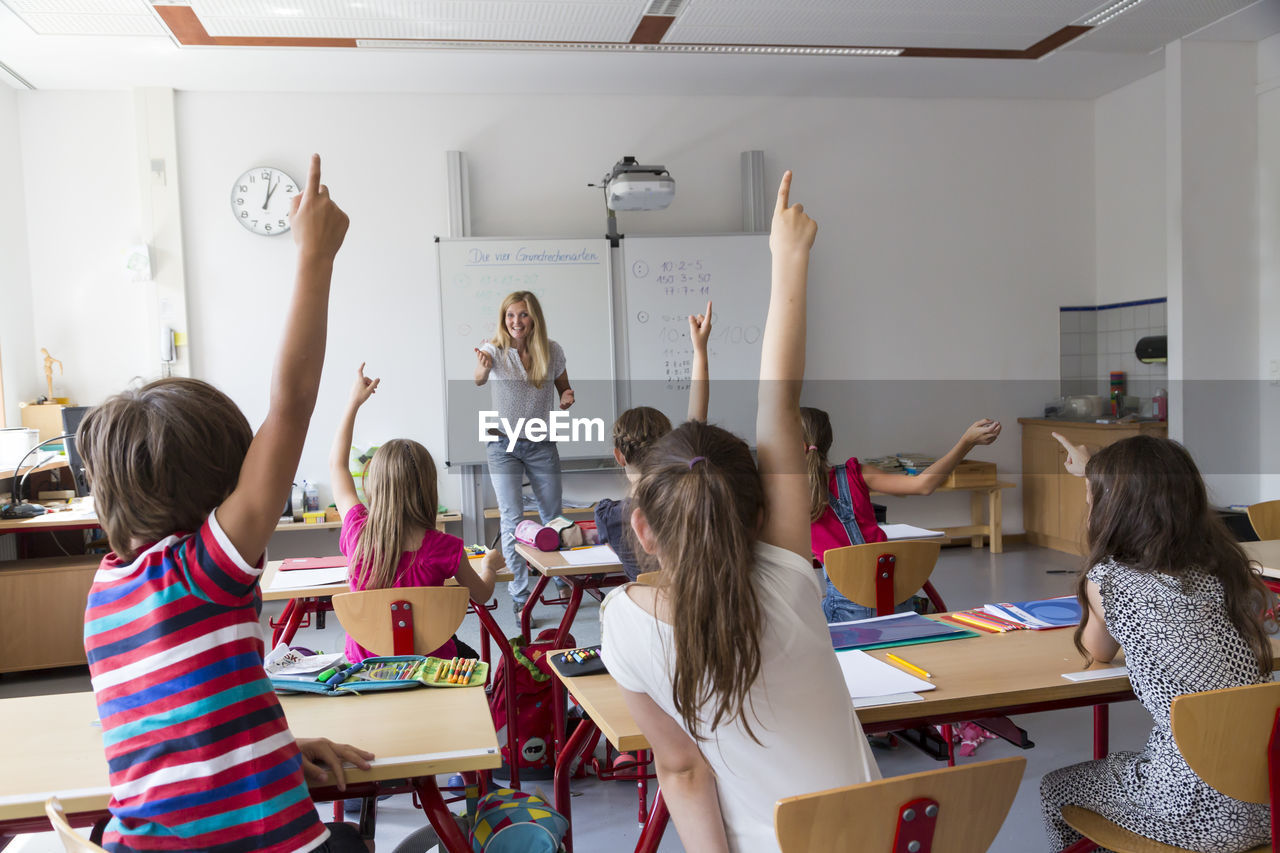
{"points": [[313, 176], [784, 191]]}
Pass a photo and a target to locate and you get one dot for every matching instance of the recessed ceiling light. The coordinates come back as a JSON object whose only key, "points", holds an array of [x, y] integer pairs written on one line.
{"points": [[287, 11], [622, 47], [1111, 10]]}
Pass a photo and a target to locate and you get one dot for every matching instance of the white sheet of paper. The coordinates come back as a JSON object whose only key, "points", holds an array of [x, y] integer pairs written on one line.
{"points": [[909, 531], [595, 555], [1095, 674], [303, 578], [866, 676], [895, 699]]}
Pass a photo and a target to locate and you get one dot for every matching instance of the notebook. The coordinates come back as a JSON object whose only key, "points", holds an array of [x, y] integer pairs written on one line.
{"points": [[899, 629], [312, 563], [1038, 615]]}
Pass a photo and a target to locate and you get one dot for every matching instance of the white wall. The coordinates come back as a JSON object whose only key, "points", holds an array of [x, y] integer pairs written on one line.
{"points": [[950, 232], [17, 347], [1129, 191], [1269, 261], [79, 165]]}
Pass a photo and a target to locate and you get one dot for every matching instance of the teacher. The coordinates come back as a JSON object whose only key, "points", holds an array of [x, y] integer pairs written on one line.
{"points": [[530, 380]]}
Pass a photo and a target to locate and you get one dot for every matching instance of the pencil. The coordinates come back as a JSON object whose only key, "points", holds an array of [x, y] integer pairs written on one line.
{"points": [[908, 666]]}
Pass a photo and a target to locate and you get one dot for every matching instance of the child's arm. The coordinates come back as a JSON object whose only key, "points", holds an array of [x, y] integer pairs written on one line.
{"points": [[480, 583], [249, 515], [344, 487], [781, 444], [981, 432], [687, 781], [1078, 456], [700, 384], [1097, 640]]}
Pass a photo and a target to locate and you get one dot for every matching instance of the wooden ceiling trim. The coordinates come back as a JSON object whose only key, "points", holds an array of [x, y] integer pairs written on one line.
{"points": [[183, 23], [651, 29]]}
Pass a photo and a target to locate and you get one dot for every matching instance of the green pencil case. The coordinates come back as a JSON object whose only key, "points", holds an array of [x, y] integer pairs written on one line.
{"points": [[395, 672]]}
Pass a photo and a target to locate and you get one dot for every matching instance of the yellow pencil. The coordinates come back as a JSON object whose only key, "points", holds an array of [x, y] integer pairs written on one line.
{"points": [[908, 666]]}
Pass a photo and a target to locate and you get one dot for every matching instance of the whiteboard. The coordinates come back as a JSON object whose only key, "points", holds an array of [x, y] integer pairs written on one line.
{"points": [[572, 279], [665, 279]]}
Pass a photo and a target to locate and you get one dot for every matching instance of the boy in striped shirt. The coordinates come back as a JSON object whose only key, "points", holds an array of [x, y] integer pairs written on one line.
{"points": [[199, 752]]}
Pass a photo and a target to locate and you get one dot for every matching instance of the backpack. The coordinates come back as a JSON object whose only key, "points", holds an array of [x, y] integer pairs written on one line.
{"points": [[510, 821], [534, 682]]}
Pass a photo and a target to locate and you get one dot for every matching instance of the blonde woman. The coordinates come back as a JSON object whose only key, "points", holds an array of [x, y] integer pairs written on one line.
{"points": [[393, 540], [530, 381]]}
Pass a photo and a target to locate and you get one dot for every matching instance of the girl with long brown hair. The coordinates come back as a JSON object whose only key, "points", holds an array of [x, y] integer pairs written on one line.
{"points": [[1170, 586], [392, 541], [727, 664], [530, 380]]}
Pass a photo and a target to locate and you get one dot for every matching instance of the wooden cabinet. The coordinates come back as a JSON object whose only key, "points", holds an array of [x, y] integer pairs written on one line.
{"points": [[1053, 501], [42, 611]]}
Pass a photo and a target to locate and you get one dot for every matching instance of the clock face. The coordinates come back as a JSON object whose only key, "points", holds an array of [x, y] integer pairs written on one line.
{"points": [[260, 200]]}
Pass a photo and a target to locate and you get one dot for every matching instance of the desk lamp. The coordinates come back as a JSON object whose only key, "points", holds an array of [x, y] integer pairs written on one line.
{"points": [[20, 509]]}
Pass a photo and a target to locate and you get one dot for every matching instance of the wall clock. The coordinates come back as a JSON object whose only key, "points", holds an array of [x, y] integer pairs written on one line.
{"points": [[260, 200]]}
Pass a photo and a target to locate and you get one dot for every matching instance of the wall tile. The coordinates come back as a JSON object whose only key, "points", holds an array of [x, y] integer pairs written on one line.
{"points": [[1126, 317], [1069, 321]]}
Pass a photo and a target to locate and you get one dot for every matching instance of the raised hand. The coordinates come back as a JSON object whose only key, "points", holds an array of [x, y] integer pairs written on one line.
{"points": [[984, 431], [363, 389], [700, 328], [792, 231], [1077, 456], [484, 360], [319, 226]]}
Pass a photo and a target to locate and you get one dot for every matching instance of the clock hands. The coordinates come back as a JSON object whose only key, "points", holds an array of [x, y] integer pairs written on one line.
{"points": [[270, 190]]}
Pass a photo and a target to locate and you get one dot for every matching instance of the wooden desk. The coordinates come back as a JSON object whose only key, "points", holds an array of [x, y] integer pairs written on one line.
{"points": [[986, 508], [81, 516], [7, 473], [552, 564], [494, 512], [62, 755], [1266, 552], [1028, 679]]}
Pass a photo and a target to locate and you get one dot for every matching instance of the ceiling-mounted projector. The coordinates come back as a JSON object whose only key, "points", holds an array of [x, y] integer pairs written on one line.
{"points": [[633, 186]]}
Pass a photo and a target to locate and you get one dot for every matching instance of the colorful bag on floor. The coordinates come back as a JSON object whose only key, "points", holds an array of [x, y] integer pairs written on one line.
{"points": [[510, 821], [533, 685]]}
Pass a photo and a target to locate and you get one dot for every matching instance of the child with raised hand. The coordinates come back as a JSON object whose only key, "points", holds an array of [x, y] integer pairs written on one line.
{"points": [[199, 753], [1169, 585], [727, 665], [635, 432], [840, 508], [393, 541]]}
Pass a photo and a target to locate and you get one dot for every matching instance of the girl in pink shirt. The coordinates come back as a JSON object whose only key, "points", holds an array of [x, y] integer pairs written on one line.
{"points": [[840, 509], [393, 542]]}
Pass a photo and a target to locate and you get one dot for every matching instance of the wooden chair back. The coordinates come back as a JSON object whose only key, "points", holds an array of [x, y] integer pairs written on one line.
{"points": [[1223, 735], [973, 801], [1265, 518], [649, 578], [853, 569], [72, 841], [437, 613]]}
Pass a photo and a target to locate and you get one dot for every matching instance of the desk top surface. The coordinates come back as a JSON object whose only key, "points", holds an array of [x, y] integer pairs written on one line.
{"points": [[60, 752], [554, 565], [987, 672], [1266, 552], [269, 573], [80, 514]]}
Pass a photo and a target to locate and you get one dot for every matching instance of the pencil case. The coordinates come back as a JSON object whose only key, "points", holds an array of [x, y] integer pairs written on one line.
{"points": [[584, 661], [398, 672]]}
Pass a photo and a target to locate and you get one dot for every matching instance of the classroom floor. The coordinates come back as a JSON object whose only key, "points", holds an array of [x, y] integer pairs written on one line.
{"points": [[604, 812]]}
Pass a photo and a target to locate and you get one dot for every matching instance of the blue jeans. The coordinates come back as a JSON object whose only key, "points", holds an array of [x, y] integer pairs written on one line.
{"points": [[540, 461], [837, 608]]}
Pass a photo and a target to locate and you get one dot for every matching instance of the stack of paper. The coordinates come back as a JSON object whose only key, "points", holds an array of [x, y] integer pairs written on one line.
{"points": [[590, 555], [303, 578], [897, 532], [874, 682], [291, 665], [900, 629]]}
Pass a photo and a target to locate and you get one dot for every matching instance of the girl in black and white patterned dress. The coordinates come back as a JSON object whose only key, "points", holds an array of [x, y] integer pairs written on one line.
{"points": [[1171, 587]]}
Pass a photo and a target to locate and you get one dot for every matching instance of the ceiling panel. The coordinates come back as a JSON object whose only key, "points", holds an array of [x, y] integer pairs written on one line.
{"points": [[537, 20], [88, 17], [1153, 24], [901, 23]]}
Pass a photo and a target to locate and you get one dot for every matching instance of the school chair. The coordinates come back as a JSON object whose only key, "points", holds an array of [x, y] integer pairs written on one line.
{"points": [[1231, 739], [953, 810], [1265, 518], [882, 575], [399, 621], [649, 578], [71, 840]]}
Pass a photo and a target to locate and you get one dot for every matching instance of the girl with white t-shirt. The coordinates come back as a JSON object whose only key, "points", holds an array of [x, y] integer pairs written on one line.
{"points": [[727, 664], [530, 381]]}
